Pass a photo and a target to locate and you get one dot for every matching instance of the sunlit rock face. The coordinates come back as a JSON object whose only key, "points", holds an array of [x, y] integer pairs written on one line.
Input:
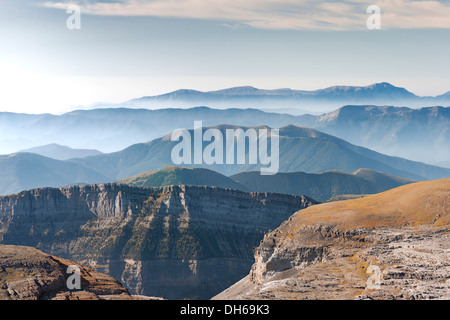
{"points": [[173, 242], [392, 245]]}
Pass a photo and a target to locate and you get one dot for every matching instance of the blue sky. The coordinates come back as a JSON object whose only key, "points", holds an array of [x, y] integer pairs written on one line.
{"points": [[131, 48]]}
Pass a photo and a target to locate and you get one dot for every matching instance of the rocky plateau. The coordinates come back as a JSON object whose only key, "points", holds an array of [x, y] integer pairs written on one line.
{"points": [[393, 245]]}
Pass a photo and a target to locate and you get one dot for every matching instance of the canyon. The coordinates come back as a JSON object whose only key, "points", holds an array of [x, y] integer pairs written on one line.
{"points": [[173, 242]]}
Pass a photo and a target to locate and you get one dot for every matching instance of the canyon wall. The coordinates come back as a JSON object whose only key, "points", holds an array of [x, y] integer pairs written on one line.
{"points": [[173, 242]]}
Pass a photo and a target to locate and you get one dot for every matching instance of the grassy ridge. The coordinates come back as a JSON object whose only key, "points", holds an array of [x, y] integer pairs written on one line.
{"points": [[320, 187]]}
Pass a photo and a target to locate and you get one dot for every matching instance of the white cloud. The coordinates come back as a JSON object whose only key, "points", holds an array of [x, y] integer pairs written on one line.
{"points": [[280, 14]]}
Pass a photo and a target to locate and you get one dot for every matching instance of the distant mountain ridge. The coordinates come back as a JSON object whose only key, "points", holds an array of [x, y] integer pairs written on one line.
{"points": [[334, 91], [23, 171], [444, 164], [173, 175], [416, 134], [247, 96], [58, 152], [421, 134], [113, 129], [301, 149], [320, 187]]}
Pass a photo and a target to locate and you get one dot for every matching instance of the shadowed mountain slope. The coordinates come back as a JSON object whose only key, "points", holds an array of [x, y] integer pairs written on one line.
{"points": [[58, 152], [322, 186], [23, 171], [300, 149], [173, 175]]}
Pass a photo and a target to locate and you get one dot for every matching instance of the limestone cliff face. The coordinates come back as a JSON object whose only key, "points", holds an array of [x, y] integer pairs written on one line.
{"points": [[29, 274], [393, 245], [173, 242]]}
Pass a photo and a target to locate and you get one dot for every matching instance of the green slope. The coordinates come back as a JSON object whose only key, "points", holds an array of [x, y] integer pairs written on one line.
{"points": [[173, 175], [320, 187]]}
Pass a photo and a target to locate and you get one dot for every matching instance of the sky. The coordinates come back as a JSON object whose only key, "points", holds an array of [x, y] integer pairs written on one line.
{"points": [[126, 49]]}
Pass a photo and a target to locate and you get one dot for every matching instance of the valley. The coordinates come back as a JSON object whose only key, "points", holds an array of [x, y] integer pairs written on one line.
{"points": [[209, 158], [173, 242]]}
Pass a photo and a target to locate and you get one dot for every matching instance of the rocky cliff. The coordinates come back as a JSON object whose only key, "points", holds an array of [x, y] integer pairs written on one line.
{"points": [[30, 274], [173, 242], [393, 245]]}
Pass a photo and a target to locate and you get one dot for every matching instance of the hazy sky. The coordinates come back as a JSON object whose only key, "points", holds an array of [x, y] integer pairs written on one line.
{"points": [[131, 48]]}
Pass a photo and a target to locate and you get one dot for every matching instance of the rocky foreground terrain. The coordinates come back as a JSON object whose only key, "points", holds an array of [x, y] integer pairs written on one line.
{"points": [[393, 245], [29, 274], [173, 242]]}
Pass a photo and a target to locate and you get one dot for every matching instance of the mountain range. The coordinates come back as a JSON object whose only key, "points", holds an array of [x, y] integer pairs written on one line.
{"points": [[173, 176], [114, 129], [58, 152], [323, 186], [415, 134], [316, 100], [301, 150], [320, 187], [420, 134], [192, 231], [23, 171]]}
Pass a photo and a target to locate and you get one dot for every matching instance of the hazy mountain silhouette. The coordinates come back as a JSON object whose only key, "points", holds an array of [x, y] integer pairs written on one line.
{"points": [[421, 134], [316, 100], [114, 129], [23, 171], [301, 149], [415, 134], [58, 152]]}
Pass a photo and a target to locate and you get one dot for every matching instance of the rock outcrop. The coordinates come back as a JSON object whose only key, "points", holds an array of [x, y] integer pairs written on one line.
{"points": [[173, 242], [393, 245], [29, 274]]}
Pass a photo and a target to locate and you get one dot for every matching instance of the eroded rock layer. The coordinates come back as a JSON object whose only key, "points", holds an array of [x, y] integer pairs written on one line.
{"points": [[173, 242], [393, 245], [30, 274]]}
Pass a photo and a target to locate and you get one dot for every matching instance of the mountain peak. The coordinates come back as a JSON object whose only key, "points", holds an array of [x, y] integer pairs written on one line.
{"points": [[382, 85], [242, 90]]}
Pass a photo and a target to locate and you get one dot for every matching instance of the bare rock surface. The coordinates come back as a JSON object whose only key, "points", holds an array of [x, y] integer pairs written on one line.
{"points": [[30, 274], [394, 245], [174, 242]]}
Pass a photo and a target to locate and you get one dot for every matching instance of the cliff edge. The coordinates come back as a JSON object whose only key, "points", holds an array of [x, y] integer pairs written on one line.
{"points": [[393, 245]]}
